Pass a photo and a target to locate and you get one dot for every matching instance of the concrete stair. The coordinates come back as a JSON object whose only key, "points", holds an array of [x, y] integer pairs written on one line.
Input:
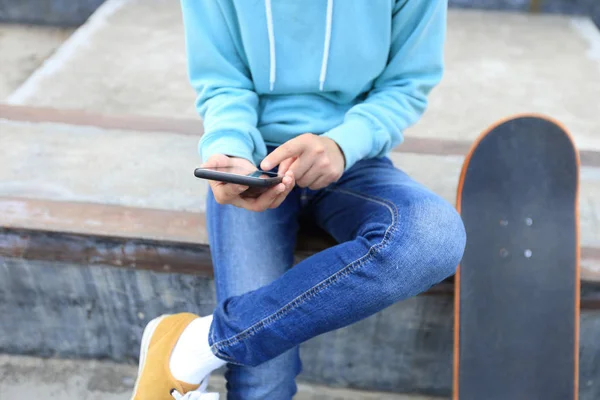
{"points": [[23, 49], [129, 59], [83, 193], [77, 161], [97, 150]]}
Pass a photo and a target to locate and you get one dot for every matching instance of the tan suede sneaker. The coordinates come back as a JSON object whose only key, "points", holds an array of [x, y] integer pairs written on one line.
{"points": [[155, 381]]}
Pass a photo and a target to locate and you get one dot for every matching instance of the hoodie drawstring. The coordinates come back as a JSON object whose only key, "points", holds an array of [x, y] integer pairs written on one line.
{"points": [[271, 44], [272, 57], [326, 45]]}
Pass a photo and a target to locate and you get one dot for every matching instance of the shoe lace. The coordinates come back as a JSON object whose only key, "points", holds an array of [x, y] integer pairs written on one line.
{"points": [[198, 394]]}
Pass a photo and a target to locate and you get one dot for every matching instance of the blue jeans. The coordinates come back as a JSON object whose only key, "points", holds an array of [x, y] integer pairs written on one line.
{"points": [[396, 239]]}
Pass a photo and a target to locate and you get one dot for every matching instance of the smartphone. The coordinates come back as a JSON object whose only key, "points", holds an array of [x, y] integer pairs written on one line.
{"points": [[257, 181]]}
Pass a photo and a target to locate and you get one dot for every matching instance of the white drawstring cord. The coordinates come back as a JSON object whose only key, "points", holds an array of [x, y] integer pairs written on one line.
{"points": [[326, 45], [272, 55], [271, 44]]}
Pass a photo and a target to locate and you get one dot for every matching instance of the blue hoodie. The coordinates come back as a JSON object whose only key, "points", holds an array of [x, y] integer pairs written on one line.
{"points": [[356, 71]]}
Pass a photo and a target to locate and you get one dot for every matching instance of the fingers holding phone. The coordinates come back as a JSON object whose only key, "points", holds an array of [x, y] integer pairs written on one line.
{"points": [[236, 181], [225, 192], [271, 198]]}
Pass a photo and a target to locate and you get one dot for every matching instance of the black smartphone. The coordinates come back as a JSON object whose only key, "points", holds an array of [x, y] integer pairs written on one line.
{"points": [[257, 181]]}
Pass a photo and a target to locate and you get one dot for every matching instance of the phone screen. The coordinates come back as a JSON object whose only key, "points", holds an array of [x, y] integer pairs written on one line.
{"points": [[244, 171]]}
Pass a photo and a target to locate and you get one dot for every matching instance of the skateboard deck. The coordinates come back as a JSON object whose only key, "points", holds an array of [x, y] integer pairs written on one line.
{"points": [[517, 287]]}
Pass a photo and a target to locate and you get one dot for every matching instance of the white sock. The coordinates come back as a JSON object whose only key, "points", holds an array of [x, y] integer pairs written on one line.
{"points": [[192, 360]]}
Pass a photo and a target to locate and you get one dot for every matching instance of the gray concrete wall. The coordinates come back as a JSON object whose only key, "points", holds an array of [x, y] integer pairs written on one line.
{"points": [[51, 12], [95, 311], [590, 8], [74, 13]]}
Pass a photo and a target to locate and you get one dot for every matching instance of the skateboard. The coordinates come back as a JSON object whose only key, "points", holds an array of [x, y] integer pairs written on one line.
{"points": [[516, 329]]}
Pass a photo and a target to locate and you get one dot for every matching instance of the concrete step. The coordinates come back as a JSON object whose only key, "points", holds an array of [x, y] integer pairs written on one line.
{"points": [[36, 378], [129, 58], [107, 232], [23, 49], [120, 195], [123, 166]]}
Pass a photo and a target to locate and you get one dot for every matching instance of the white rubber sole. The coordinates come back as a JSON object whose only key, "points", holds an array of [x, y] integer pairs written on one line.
{"points": [[146, 337]]}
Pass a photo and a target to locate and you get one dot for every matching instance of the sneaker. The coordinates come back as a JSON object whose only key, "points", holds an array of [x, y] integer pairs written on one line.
{"points": [[155, 381]]}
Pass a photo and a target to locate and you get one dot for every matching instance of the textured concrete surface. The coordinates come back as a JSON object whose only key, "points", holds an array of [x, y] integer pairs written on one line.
{"points": [[35, 378], [497, 64], [129, 57], [67, 310], [65, 12], [59, 162], [94, 311], [53, 12], [589, 8], [22, 50], [154, 170]]}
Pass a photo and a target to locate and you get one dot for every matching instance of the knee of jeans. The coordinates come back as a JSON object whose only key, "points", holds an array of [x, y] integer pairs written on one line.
{"points": [[428, 243]]}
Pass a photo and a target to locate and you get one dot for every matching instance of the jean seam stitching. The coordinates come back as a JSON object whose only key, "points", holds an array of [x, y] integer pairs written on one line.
{"points": [[211, 333], [225, 357], [324, 284]]}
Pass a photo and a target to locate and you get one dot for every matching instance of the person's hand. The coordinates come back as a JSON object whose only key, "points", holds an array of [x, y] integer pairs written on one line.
{"points": [[229, 193], [316, 161]]}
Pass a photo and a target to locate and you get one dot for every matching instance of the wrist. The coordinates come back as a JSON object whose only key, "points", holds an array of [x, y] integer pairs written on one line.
{"points": [[337, 149], [354, 138]]}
